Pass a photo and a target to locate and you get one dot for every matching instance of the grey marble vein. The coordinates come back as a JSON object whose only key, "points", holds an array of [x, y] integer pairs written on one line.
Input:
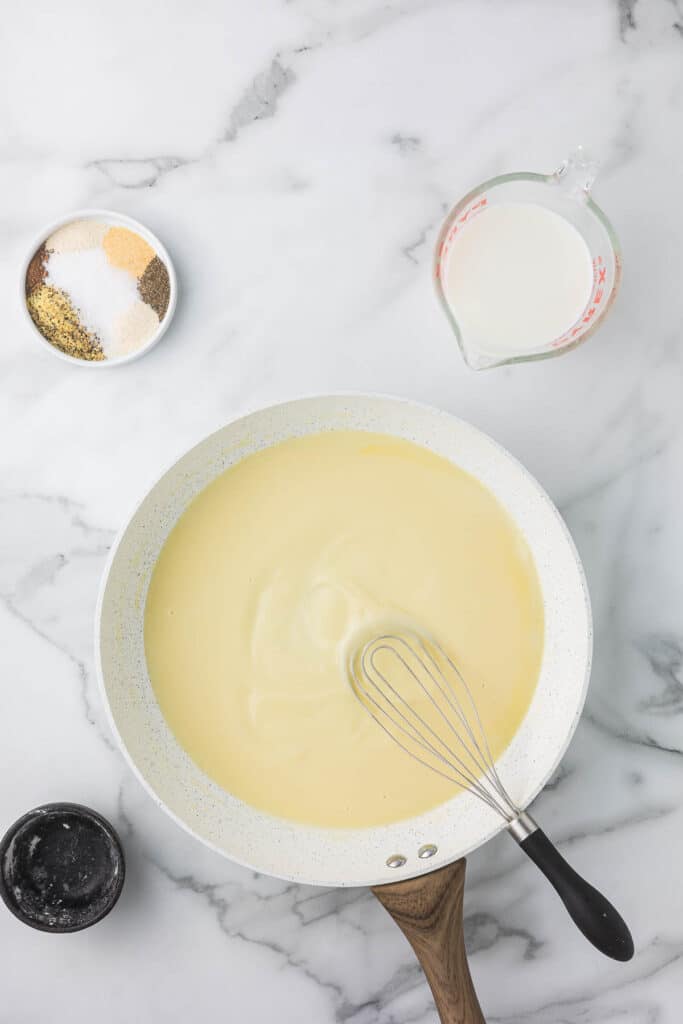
{"points": [[85, 546], [664, 654], [260, 99], [631, 735], [627, 17], [624, 1004], [221, 905], [405, 144], [622, 824], [140, 172], [484, 930]]}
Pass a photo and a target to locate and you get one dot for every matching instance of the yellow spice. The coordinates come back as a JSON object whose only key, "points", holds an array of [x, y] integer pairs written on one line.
{"points": [[127, 250], [57, 320]]}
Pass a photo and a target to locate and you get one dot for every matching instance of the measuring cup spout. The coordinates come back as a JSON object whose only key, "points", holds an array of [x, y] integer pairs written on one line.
{"points": [[577, 173], [476, 359]]}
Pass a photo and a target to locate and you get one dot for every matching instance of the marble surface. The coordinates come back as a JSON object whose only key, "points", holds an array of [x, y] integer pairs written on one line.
{"points": [[297, 159]]}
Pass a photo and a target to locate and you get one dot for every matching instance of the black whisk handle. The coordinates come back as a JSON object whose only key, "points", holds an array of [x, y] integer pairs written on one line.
{"points": [[590, 911]]}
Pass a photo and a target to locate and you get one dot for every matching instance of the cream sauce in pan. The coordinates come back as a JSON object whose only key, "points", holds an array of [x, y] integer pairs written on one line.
{"points": [[272, 574]]}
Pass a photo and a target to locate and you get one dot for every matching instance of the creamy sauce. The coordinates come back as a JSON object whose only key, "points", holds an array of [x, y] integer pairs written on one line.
{"points": [[269, 578], [518, 276]]}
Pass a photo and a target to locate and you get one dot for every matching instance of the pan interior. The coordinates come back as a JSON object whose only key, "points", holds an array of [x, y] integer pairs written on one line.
{"points": [[271, 575]]}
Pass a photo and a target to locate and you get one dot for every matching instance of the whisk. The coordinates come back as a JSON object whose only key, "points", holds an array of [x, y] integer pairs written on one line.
{"points": [[416, 693]]}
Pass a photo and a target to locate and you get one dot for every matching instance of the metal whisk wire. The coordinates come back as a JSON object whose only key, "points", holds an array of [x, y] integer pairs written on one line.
{"points": [[443, 731], [453, 743]]}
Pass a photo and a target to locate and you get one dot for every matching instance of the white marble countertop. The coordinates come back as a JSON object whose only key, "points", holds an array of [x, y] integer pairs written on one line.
{"points": [[297, 159]]}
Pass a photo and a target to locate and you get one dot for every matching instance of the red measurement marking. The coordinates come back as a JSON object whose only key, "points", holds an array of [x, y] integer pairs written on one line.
{"points": [[577, 330], [601, 278], [598, 296], [471, 209]]}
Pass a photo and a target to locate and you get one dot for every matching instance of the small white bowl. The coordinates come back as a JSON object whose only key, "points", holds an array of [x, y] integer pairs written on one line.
{"points": [[115, 220]]}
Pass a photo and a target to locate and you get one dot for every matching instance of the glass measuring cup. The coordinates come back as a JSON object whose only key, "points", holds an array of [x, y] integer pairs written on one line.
{"points": [[566, 192]]}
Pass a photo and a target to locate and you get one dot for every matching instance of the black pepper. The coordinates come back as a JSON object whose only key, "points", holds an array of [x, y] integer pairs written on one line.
{"points": [[155, 287]]}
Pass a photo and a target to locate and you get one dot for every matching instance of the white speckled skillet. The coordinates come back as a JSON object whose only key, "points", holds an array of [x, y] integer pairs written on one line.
{"points": [[331, 856], [424, 896]]}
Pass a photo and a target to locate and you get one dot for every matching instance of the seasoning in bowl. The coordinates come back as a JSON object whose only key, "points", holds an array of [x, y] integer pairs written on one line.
{"points": [[100, 288]]}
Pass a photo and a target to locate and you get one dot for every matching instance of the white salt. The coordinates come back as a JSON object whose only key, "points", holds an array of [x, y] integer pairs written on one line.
{"points": [[99, 291]]}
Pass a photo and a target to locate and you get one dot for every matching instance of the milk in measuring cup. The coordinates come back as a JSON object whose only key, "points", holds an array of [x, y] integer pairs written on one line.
{"points": [[518, 276]]}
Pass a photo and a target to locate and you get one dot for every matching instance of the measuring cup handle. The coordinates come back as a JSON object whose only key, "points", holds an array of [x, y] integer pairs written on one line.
{"points": [[577, 173]]}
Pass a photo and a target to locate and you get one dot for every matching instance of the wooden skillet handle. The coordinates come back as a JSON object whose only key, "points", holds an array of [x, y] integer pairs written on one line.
{"points": [[428, 910]]}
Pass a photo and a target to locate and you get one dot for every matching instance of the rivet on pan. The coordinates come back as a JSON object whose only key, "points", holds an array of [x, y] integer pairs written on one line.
{"points": [[396, 860], [428, 850]]}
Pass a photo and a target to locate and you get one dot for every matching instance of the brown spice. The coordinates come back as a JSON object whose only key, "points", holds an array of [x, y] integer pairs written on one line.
{"points": [[155, 287], [37, 271], [57, 320]]}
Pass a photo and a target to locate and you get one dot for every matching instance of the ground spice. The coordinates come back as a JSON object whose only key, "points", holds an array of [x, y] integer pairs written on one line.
{"points": [[57, 320], [133, 328], [77, 235], [37, 271], [127, 250], [97, 290], [155, 287]]}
